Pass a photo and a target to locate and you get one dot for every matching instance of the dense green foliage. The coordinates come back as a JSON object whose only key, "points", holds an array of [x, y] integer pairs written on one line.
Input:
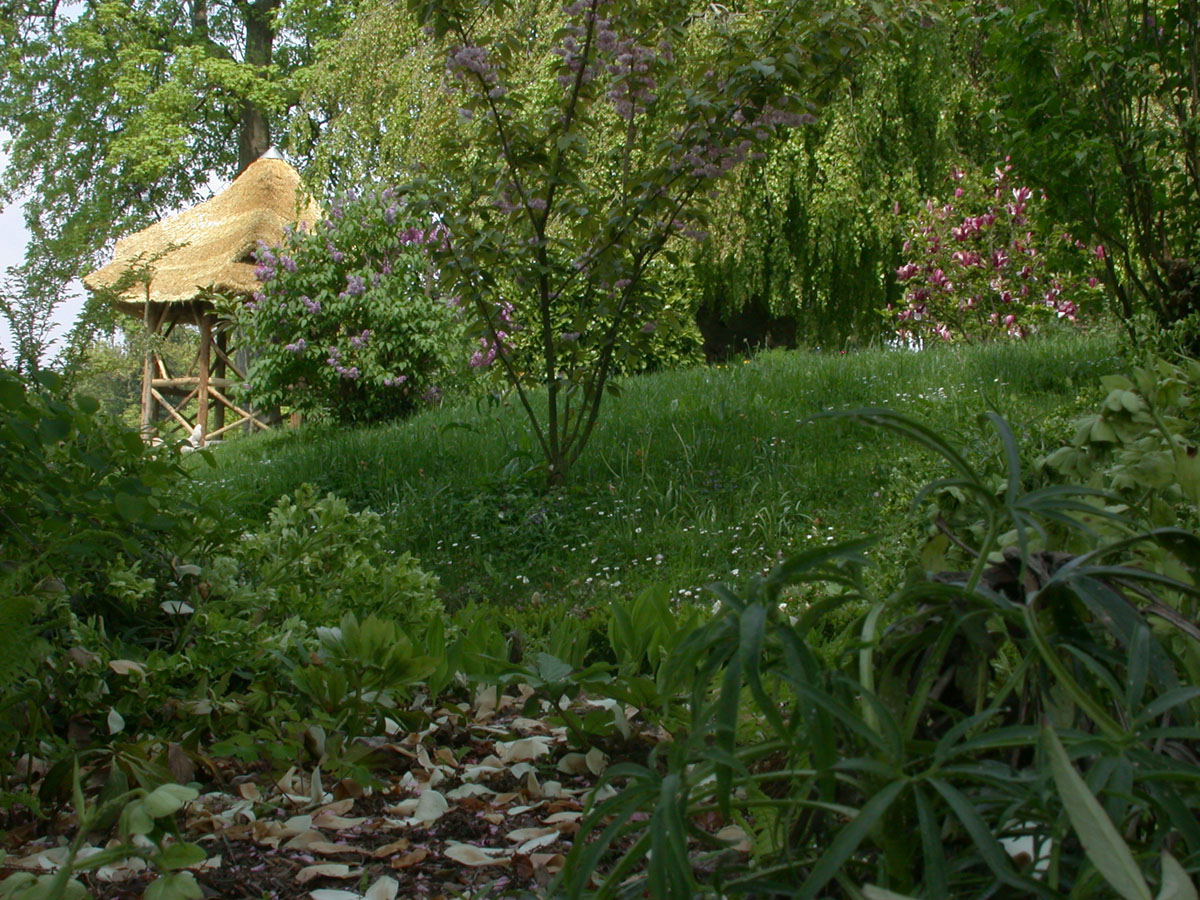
{"points": [[1099, 102], [866, 657], [915, 761], [119, 112], [898, 682]]}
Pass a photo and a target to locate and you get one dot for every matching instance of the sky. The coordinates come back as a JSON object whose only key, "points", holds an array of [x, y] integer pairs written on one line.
{"points": [[13, 238]]}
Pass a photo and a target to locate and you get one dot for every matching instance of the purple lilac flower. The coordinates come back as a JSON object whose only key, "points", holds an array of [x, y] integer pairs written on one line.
{"points": [[289, 264], [354, 287], [313, 306], [297, 347]]}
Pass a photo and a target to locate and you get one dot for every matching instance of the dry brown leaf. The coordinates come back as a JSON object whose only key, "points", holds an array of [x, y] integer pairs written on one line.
{"points": [[445, 756], [573, 764], [183, 770], [305, 839], [596, 761], [297, 824], [125, 666], [431, 806], [537, 843], [470, 855], [326, 870], [408, 860], [385, 888], [337, 808], [523, 749], [390, 849], [525, 834], [249, 791], [486, 703], [551, 862], [736, 836], [336, 823], [466, 790]]}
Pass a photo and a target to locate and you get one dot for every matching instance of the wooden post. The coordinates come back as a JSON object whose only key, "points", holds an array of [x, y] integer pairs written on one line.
{"points": [[149, 320], [219, 373], [203, 360]]}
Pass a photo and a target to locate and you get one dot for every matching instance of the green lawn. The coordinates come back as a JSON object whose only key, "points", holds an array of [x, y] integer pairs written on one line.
{"points": [[692, 476]]}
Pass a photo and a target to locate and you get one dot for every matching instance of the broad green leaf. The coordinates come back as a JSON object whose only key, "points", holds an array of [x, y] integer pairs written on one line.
{"points": [[174, 886], [1101, 842], [167, 799], [551, 669], [871, 892], [180, 856], [1176, 885]]}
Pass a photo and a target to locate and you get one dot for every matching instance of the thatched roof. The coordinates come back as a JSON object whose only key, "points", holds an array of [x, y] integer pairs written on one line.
{"points": [[216, 239]]}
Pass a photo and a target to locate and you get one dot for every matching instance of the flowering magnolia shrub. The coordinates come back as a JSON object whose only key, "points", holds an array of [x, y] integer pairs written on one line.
{"points": [[349, 320], [986, 264]]}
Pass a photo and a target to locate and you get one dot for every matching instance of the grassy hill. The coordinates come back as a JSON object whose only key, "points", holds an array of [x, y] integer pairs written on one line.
{"points": [[692, 476]]}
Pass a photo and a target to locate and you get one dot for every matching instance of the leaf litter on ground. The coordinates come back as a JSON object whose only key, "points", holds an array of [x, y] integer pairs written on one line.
{"points": [[500, 815]]}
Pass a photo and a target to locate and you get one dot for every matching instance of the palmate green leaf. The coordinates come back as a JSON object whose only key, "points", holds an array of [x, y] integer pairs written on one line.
{"points": [[847, 841], [989, 849], [1103, 845], [1050, 658]]}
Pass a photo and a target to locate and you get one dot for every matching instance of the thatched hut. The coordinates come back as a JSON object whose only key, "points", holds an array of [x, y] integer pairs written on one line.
{"points": [[172, 272]]}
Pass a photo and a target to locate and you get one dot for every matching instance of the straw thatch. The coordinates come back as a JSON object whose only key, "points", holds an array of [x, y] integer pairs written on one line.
{"points": [[216, 241]]}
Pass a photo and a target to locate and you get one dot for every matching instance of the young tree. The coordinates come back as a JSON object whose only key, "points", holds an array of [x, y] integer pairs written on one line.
{"points": [[122, 110], [590, 139]]}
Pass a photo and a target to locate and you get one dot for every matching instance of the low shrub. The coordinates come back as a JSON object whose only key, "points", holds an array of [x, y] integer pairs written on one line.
{"points": [[316, 560]]}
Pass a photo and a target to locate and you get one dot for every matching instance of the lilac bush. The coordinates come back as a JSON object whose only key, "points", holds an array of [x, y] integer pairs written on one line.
{"points": [[349, 321], [986, 264]]}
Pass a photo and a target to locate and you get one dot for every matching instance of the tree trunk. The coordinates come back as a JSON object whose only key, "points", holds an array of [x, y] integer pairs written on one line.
{"points": [[254, 135]]}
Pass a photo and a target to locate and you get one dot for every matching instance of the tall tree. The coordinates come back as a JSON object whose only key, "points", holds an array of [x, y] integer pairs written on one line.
{"points": [[121, 110]]}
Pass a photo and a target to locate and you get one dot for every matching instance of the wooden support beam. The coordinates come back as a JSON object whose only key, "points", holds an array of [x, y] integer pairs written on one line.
{"points": [[221, 340], [246, 415], [190, 382], [203, 357], [152, 319], [172, 411]]}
